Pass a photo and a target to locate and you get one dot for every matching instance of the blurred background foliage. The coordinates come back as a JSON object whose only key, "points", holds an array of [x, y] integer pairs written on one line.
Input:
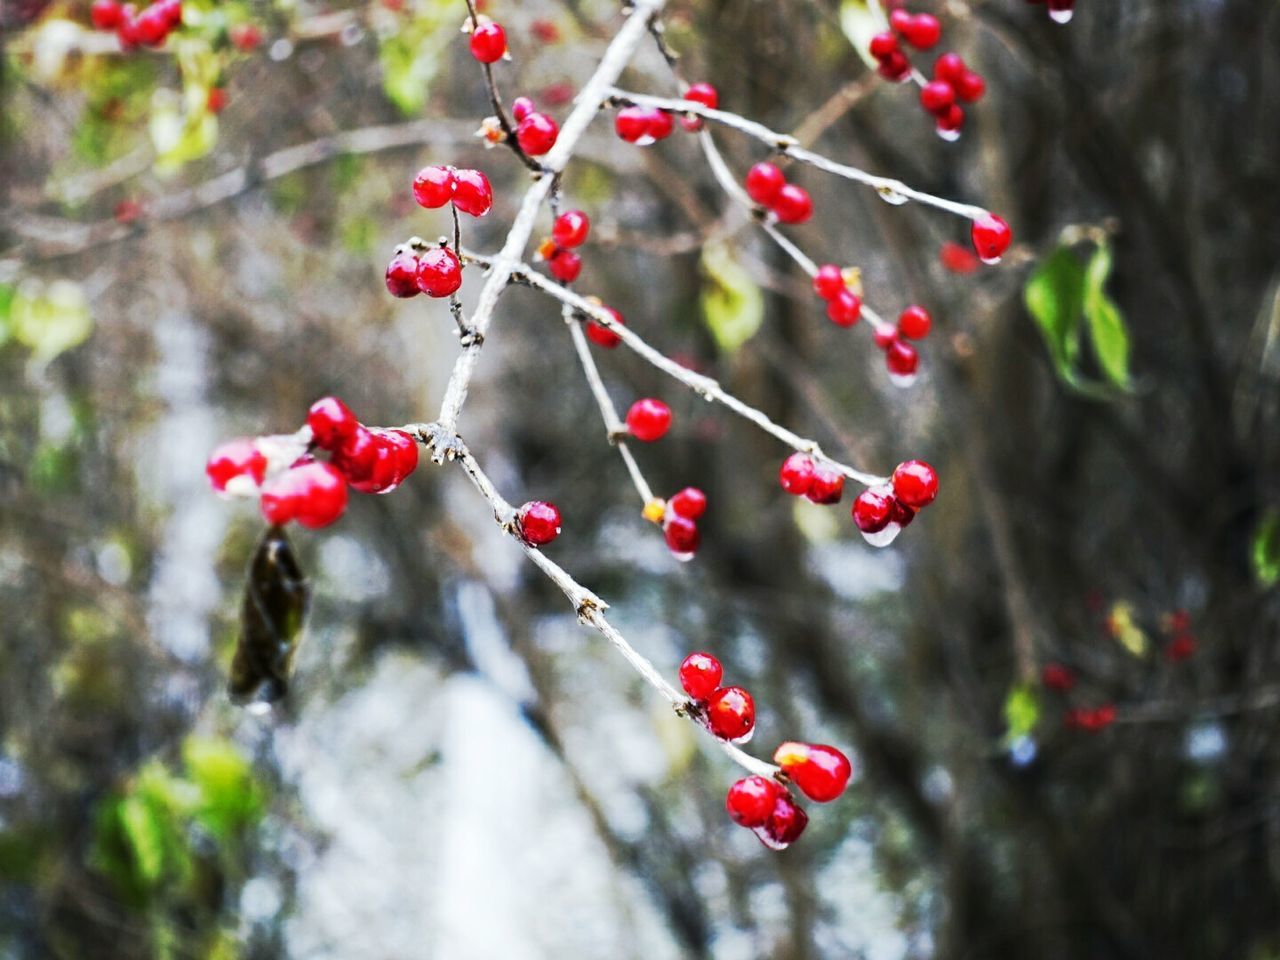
{"points": [[462, 771]]}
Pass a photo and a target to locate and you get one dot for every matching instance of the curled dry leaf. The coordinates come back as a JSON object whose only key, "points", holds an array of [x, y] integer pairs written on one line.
{"points": [[275, 605]]}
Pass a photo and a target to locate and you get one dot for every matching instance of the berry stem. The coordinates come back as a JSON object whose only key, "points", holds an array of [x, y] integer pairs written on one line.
{"points": [[613, 424], [495, 103]]}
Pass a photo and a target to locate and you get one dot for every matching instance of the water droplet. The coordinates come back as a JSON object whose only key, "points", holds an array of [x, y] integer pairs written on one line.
{"points": [[351, 34], [884, 537], [767, 840], [1061, 16], [746, 737], [990, 261], [902, 379], [645, 141], [682, 557], [950, 136], [891, 196], [282, 49], [259, 708]]}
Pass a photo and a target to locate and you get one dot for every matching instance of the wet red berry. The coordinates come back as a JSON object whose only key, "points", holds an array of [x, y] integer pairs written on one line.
{"points": [[433, 186], [970, 87], [991, 237], [521, 107], [570, 229], [750, 801], [245, 36], [537, 134], [357, 456], [700, 675], [1057, 677], [915, 483], [764, 182], [827, 485], [923, 31], [106, 14], [488, 42], [632, 124], [845, 308], [792, 204], [472, 192], [901, 359], [439, 272], [565, 265], [649, 419], [949, 68], [821, 772], [828, 282], [796, 474], [402, 275], [705, 94], [950, 122], [682, 536], [236, 458], [731, 714], [914, 322], [332, 423], [937, 96], [872, 509], [314, 494], [538, 522], [689, 502], [785, 824], [601, 335]]}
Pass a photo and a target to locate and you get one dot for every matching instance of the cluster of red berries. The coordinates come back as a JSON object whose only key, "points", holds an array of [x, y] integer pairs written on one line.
{"points": [[844, 306], [437, 271], [488, 41], [953, 82], [802, 476], [149, 28], [1062, 679], [763, 805], [647, 125], [767, 185], [312, 491], [1060, 11], [1182, 646], [468, 190], [900, 357], [538, 522], [535, 131], [679, 518], [568, 232], [881, 512]]}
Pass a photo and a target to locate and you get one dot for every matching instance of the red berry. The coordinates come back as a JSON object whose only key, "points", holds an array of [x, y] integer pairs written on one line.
{"points": [[970, 87], [521, 107], [545, 31], [792, 204], [750, 801], [828, 282], [649, 419], [796, 474], [245, 36], [332, 423], [660, 124], [885, 337], [127, 29], [705, 94], [601, 335], [565, 265], [844, 308], [127, 211], [883, 46], [314, 494], [872, 509], [895, 67], [235, 458], [402, 275], [950, 122], [1181, 648], [956, 258], [538, 522], [106, 14], [923, 31], [472, 192], [382, 476], [216, 101], [915, 483], [901, 359], [488, 42], [937, 96], [357, 456], [827, 485], [433, 186], [689, 502], [821, 772], [151, 27], [764, 182], [900, 20], [439, 272], [570, 229], [785, 824], [172, 12], [914, 322], [1057, 677], [950, 68], [632, 125], [731, 714], [901, 514], [536, 134], [991, 237], [682, 536], [700, 675]]}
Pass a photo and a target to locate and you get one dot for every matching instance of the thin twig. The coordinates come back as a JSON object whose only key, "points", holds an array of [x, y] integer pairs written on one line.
{"points": [[495, 101], [613, 425], [616, 57], [706, 387]]}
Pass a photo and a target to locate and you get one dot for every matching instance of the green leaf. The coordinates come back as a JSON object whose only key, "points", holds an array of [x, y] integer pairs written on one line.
{"points": [[1106, 324], [1266, 550], [861, 20], [1054, 295], [230, 798], [732, 304], [50, 319], [145, 835], [410, 59], [1021, 711]]}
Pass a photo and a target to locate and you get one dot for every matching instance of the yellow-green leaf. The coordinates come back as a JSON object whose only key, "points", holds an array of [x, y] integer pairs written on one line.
{"points": [[1106, 324], [1021, 711], [732, 304], [861, 20], [1266, 550], [50, 318]]}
